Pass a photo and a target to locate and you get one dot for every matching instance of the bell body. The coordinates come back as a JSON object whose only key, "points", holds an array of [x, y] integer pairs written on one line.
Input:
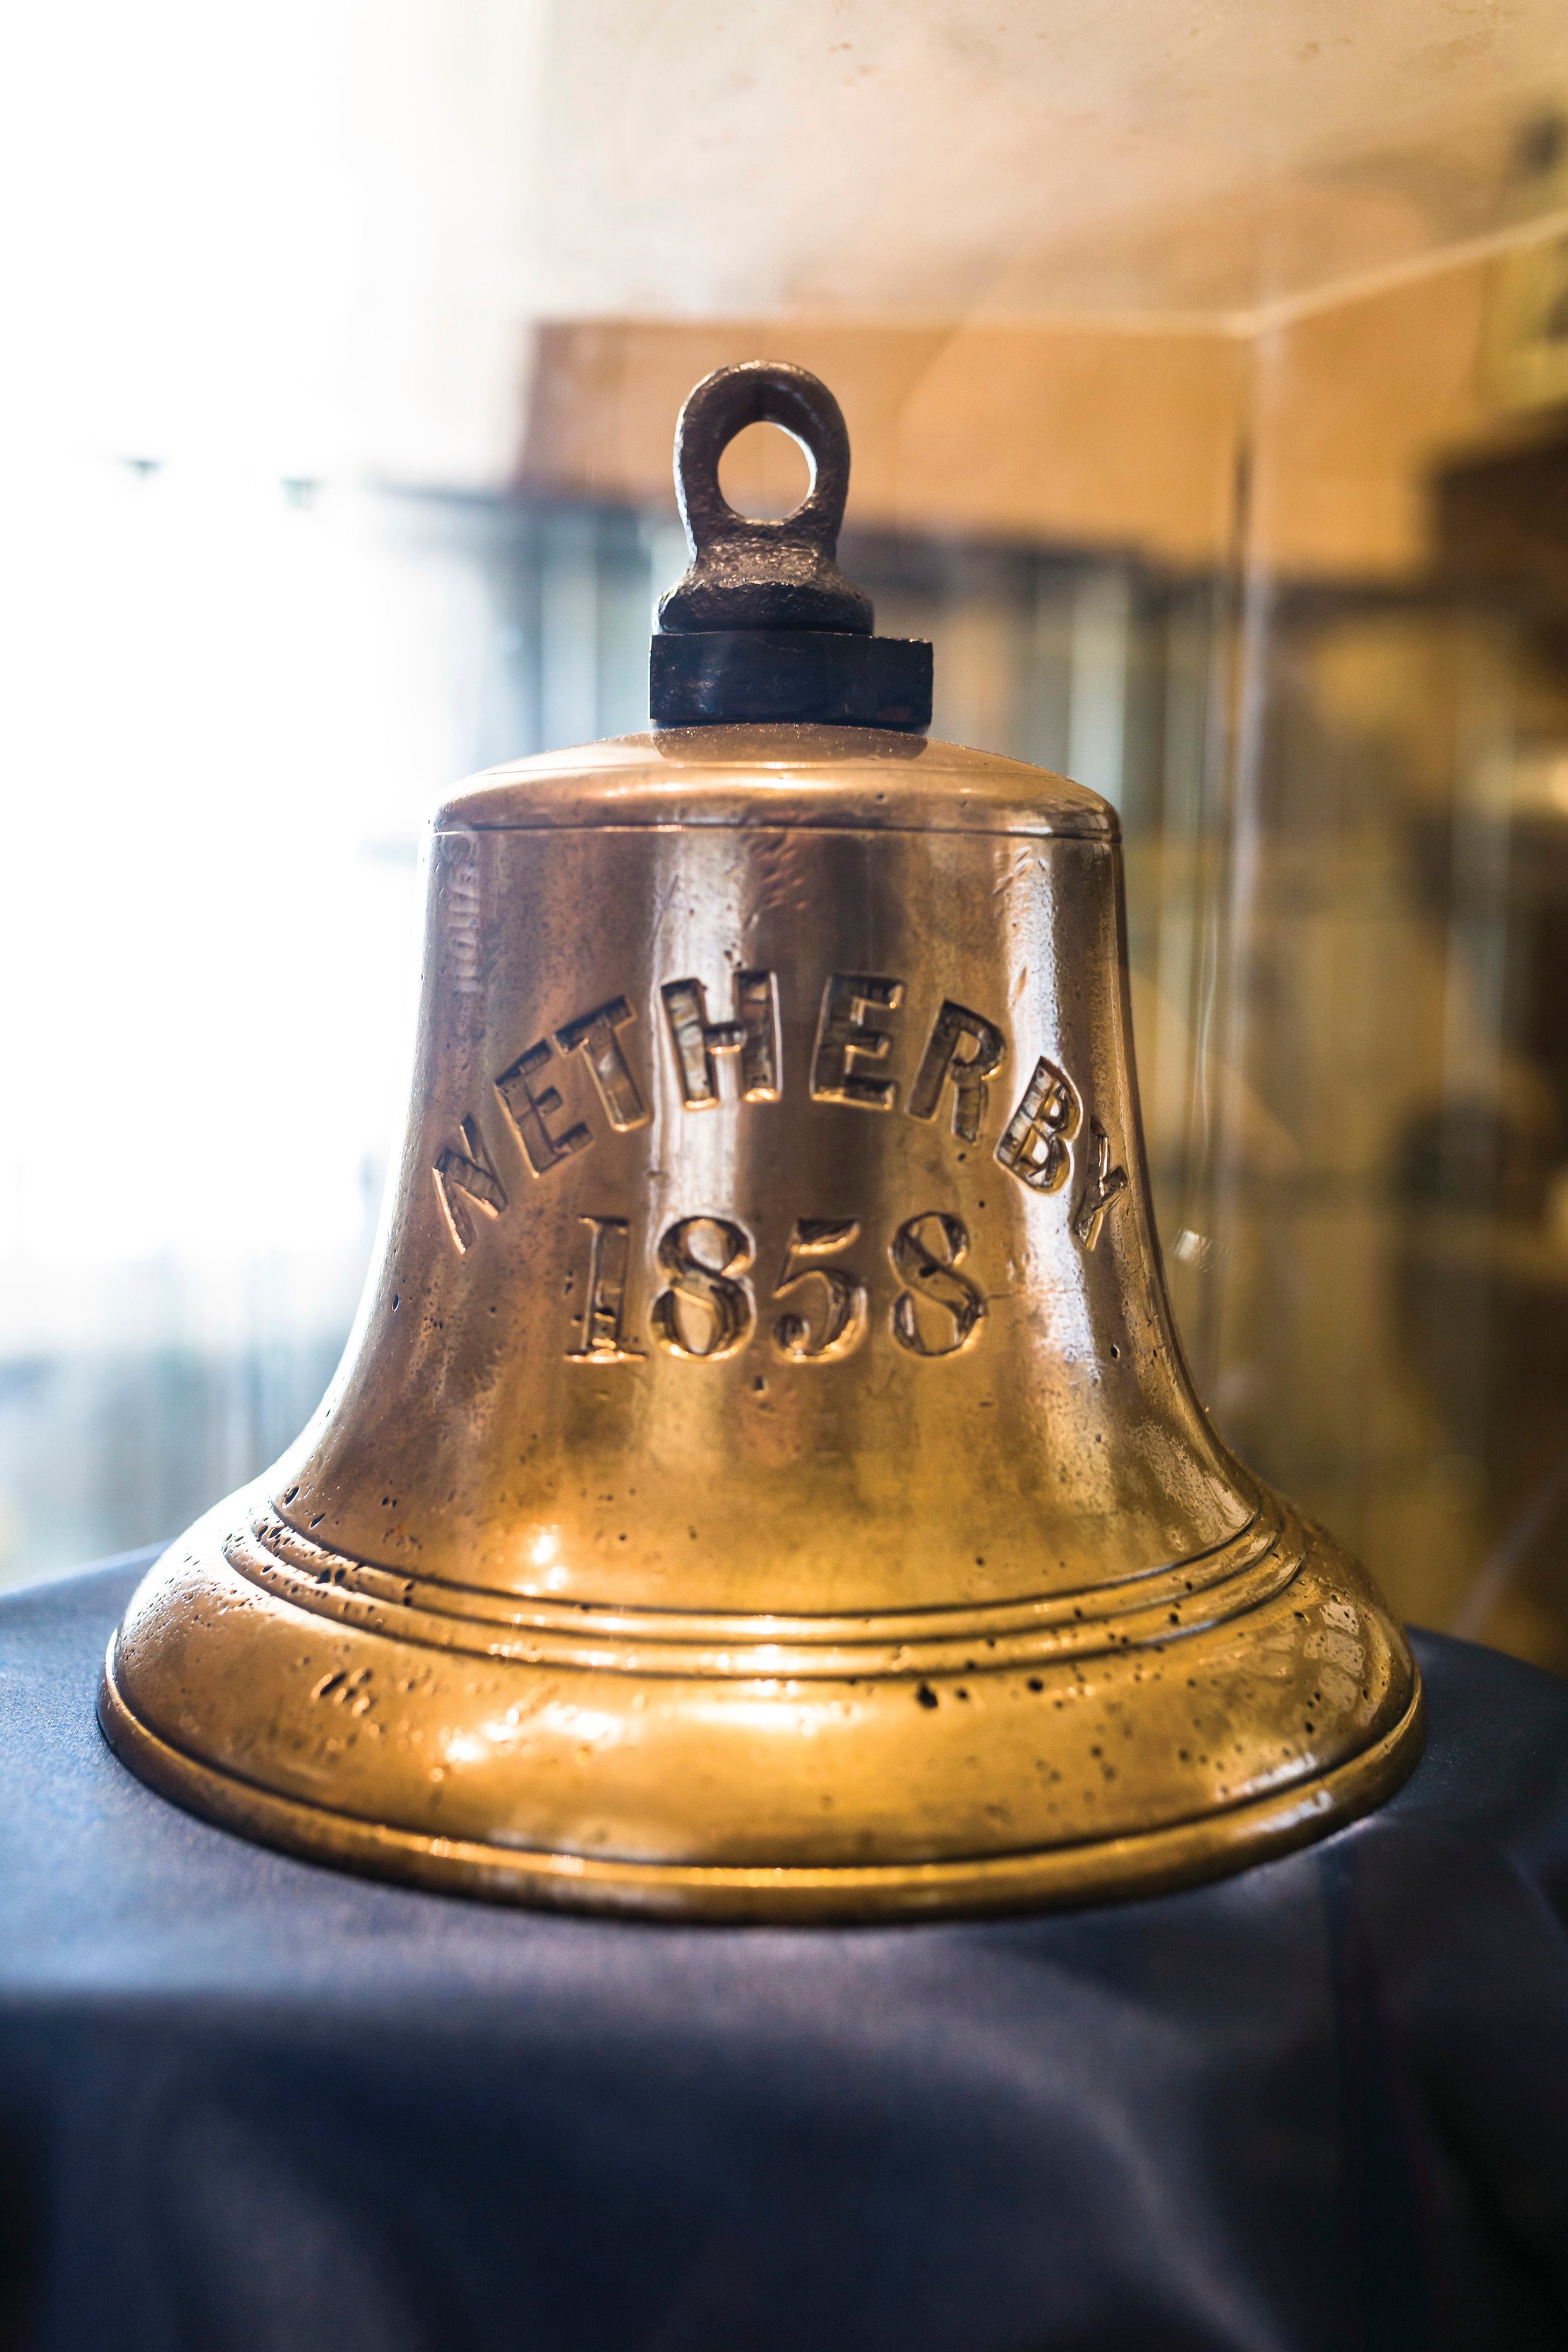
{"points": [[763, 1480]]}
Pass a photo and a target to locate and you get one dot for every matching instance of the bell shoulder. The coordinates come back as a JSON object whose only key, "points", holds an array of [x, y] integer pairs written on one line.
{"points": [[863, 779]]}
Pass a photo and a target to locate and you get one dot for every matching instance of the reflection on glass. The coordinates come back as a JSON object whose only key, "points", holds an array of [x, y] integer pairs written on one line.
{"points": [[1227, 467]]}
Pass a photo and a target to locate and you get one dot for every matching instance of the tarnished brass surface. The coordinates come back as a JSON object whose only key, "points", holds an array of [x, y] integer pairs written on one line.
{"points": [[763, 1480]]}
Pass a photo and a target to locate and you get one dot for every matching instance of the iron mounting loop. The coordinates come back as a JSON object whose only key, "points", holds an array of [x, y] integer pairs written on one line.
{"points": [[747, 573]]}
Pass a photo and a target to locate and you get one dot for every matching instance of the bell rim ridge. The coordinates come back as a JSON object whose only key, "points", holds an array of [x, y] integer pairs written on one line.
{"points": [[1137, 1609], [1112, 1870]]}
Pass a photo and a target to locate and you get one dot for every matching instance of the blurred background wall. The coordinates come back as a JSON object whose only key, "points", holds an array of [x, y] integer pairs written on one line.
{"points": [[1207, 370]]}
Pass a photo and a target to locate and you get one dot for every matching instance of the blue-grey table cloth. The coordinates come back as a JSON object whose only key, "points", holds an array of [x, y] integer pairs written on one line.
{"points": [[247, 2105]]}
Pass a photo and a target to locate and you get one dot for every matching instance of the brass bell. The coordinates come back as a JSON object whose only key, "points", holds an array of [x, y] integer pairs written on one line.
{"points": [[763, 1481]]}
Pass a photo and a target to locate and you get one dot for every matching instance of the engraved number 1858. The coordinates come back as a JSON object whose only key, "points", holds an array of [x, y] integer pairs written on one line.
{"points": [[706, 1309]]}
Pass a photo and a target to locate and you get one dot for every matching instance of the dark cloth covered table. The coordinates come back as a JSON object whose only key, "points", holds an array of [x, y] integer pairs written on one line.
{"points": [[246, 2102]]}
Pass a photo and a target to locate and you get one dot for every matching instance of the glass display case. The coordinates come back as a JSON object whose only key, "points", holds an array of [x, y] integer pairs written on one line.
{"points": [[1208, 384]]}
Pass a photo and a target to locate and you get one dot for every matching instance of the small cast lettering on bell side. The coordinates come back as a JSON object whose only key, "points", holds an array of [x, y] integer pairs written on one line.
{"points": [[1043, 1143], [968, 1048], [603, 1313], [1103, 1186], [351, 1691], [1036, 1145], [926, 1252], [752, 1036], [845, 1316], [465, 1179], [593, 1036], [459, 881], [529, 1104], [847, 1038], [706, 1313]]}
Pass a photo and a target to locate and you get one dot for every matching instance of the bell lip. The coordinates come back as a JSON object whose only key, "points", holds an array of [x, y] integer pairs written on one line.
{"points": [[778, 776], [1112, 1870]]}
